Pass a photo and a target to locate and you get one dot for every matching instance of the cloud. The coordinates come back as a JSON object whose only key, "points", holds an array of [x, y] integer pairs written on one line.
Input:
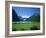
{"points": [[25, 16]]}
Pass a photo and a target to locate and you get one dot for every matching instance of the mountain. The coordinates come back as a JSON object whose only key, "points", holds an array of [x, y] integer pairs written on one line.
{"points": [[21, 19], [15, 16], [34, 17]]}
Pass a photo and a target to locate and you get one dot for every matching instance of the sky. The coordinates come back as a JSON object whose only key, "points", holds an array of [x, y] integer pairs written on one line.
{"points": [[26, 12]]}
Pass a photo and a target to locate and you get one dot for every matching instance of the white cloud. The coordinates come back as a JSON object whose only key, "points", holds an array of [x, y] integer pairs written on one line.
{"points": [[25, 16]]}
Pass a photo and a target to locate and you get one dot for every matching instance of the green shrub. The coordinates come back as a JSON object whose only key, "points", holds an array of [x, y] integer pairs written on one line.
{"points": [[34, 27], [22, 29], [14, 29]]}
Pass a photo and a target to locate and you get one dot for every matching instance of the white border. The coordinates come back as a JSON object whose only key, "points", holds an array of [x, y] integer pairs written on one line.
{"points": [[24, 32]]}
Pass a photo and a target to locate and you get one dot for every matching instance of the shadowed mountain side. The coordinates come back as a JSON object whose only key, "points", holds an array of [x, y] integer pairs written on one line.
{"points": [[34, 17], [15, 17]]}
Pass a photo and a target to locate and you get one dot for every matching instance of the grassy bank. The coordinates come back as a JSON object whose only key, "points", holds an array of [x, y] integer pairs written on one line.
{"points": [[25, 26]]}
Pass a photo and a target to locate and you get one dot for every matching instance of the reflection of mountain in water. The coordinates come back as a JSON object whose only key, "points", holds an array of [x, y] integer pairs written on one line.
{"points": [[34, 17]]}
